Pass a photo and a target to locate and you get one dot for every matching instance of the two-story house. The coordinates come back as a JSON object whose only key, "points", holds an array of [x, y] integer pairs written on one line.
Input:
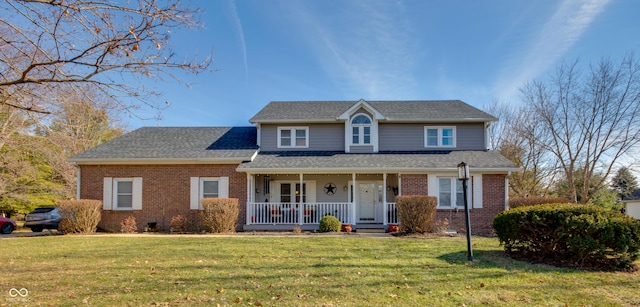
{"points": [[301, 161]]}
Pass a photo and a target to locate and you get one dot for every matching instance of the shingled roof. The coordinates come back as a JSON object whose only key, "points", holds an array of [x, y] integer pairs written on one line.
{"points": [[397, 111], [176, 144], [327, 162]]}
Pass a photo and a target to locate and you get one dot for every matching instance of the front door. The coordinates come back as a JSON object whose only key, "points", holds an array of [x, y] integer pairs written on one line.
{"points": [[367, 202]]}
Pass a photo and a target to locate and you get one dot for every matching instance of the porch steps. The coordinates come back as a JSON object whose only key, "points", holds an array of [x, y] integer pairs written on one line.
{"points": [[370, 228]]}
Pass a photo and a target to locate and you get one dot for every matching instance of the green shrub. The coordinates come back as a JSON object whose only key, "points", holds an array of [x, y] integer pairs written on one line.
{"points": [[220, 215], [516, 202], [330, 223], [572, 235], [79, 216], [416, 213]]}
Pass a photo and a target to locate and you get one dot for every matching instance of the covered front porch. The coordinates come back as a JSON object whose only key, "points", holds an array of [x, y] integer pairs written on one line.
{"points": [[282, 201]]}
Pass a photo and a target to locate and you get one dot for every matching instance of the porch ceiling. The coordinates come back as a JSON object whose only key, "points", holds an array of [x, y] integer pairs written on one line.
{"points": [[334, 162]]}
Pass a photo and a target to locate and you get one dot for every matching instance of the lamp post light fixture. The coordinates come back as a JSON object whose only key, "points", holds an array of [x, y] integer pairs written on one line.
{"points": [[463, 175]]}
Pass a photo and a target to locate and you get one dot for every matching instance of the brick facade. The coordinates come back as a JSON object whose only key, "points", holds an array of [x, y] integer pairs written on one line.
{"points": [[414, 184], [165, 191], [493, 200]]}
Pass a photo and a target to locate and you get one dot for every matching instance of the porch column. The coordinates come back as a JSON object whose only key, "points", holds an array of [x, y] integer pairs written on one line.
{"points": [[301, 204], [355, 198], [250, 197], [385, 220], [399, 184]]}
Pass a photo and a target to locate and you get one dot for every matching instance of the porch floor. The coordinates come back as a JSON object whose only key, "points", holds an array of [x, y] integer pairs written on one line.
{"points": [[360, 227]]}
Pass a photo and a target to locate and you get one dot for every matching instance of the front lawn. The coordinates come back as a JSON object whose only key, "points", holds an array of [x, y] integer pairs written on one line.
{"points": [[302, 270]]}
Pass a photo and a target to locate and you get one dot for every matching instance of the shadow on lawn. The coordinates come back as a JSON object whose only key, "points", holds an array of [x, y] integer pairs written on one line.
{"points": [[498, 259]]}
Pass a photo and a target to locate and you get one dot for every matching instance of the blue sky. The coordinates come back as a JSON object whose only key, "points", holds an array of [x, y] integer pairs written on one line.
{"points": [[475, 51]]}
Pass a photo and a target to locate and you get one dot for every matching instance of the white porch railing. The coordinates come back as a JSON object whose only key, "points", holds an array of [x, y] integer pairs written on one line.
{"points": [[390, 214], [287, 213]]}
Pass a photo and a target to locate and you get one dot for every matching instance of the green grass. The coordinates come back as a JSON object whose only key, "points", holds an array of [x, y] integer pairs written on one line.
{"points": [[292, 271]]}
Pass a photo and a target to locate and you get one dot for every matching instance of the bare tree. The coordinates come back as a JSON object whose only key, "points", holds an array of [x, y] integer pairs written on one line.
{"points": [[589, 119], [110, 45], [516, 136]]}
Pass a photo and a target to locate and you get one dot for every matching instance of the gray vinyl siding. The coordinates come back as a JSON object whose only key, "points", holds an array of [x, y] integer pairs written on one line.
{"points": [[470, 137], [410, 137], [322, 137]]}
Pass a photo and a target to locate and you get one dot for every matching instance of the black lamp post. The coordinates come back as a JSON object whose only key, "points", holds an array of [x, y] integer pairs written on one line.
{"points": [[463, 175]]}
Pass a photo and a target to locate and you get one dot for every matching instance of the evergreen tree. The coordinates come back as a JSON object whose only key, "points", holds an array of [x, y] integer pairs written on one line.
{"points": [[624, 183]]}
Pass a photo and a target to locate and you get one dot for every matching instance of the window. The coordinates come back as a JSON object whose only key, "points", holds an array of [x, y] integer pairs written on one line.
{"points": [[293, 137], [440, 136], [361, 130], [122, 193], [207, 187], [287, 194], [450, 193]]}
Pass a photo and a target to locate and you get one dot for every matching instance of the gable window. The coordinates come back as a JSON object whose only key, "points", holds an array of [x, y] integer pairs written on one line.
{"points": [[450, 193], [122, 193], [439, 136], [207, 187], [361, 130], [293, 137]]}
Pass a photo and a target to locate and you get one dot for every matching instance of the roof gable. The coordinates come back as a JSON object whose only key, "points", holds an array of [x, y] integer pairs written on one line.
{"points": [[357, 106]]}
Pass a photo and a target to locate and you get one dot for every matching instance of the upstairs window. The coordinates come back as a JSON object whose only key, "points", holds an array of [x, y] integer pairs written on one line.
{"points": [[293, 137], [361, 130], [439, 136]]}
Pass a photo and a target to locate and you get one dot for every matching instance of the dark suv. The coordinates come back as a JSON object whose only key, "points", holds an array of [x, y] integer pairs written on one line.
{"points": [[41, 218]]}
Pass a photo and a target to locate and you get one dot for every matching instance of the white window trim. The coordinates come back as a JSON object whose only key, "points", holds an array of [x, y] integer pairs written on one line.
{"points": [[110, 193], [454, 193], [196, 190], [361, 130], [310, 187], [293, 137], [440, 128], [474, 190]]}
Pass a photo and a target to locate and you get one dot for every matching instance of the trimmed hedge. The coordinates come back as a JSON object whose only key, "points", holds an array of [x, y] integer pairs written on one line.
{"points": [[571, 235], [516, 202], [330, 223], [220, 215], [416, 212], [79, 216]]}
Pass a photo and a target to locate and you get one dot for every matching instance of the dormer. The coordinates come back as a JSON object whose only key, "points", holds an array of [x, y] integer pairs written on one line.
{"points": [[361, 128]]}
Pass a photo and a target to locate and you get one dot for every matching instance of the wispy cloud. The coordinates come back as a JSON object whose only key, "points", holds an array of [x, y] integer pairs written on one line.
{"points": [[369, 54], [232, 14], [550, 44]]}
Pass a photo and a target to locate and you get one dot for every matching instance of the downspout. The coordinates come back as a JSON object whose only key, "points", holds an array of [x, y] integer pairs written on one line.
{"points": [[506, 191], [78, 177]]}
